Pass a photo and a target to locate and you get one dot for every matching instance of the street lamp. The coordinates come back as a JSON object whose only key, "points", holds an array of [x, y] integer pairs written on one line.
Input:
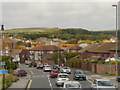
{"points": [[116, 38]]}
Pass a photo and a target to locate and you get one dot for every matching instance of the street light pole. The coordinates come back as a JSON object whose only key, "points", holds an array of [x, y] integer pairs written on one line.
{"points": [[116, 38], [58, 52]]}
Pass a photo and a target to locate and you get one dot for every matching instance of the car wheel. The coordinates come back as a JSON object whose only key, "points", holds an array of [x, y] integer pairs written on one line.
{"points": [[84, 78]]}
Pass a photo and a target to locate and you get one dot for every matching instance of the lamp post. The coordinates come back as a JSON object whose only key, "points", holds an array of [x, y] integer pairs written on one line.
{"points": [[58, 52], [116, 37]]}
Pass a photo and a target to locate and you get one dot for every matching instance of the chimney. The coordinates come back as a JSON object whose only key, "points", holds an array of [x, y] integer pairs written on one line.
{"points": [[2, 27]]}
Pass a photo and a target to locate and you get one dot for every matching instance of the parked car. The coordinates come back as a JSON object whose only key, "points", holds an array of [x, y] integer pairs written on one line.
{"points": [[45, 64], [32, 64], [78, 74], [40, 66], [54, 73], [61, 78], [56, 67], [68, 85], [102, 84], [47, 68], [19, 72], [118, 79], [66, 70], [27, 62]]}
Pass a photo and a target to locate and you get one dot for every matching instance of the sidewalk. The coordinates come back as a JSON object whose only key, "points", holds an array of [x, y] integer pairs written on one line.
{"points": [[21, 84]]}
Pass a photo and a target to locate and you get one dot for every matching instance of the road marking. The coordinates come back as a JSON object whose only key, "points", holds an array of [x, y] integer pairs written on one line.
{"points": [[29, 84], [29, 71]]}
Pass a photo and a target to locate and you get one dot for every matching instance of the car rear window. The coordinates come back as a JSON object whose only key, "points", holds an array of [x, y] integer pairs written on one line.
{"points": [[15, 70], [72, 85], [55, 71], [65, 68], [63, 76], [105, 83]]}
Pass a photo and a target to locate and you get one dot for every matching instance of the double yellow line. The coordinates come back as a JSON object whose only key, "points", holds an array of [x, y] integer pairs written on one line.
{"points": [[29, 84]]}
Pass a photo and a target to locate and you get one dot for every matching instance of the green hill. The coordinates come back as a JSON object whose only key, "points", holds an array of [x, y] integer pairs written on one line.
{"points": [[40, 29]]}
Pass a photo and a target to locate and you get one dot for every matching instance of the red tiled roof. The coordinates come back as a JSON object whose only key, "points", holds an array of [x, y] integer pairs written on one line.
{"points": [[46, 48]]}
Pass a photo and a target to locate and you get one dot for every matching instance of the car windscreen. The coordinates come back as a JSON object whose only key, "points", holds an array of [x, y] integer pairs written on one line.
{"points": [[63, 76], [105, 83], [74, 85], [15, 70], [65, 68], [79, 72]]}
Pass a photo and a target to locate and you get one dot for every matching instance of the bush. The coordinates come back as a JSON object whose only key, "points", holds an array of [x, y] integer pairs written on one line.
{"points": [[9, 79]]}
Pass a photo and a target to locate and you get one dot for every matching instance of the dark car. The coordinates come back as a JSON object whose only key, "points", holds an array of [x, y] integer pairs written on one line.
{"points": [[32, 64], [118, 79], [79, 74], [56, 67], [19, 72]]}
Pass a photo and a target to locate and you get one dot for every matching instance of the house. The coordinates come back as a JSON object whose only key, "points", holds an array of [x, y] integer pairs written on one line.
{"points": [[85, 53], [103, 50], [70, 48], [24, 55], [40, 53]]}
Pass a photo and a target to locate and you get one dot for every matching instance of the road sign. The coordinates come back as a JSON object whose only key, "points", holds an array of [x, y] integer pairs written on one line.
{"points": [[2, 63], [3, 71]]}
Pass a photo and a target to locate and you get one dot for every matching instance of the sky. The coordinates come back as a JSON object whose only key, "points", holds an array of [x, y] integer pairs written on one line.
{"points": [[87, 15]]}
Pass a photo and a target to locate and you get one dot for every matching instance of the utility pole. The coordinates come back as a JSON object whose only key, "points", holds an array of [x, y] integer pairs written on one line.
{"points": [[58, 52], [116, 55]]}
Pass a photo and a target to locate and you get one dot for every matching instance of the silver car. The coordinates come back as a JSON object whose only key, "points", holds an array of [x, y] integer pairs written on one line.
{"points": [[68, 85], [102, 84], [66, 70], [61, 78], [47, 68]]}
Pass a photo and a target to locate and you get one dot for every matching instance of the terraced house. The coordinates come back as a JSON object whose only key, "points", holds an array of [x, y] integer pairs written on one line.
{"points": [[41, 52]]}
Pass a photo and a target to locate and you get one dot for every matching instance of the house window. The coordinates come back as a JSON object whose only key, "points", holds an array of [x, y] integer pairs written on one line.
{"points": [[102, 55], [108, 55], [61, 51], [7, 47], [95, 54], [22, 56], [6, 51], [50, 51]]}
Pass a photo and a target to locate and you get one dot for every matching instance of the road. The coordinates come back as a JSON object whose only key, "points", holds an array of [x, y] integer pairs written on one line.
{"points": [[42, 80]]}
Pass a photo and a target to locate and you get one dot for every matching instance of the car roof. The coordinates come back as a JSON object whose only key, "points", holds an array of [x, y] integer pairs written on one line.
{"points": [[62, 74], [78, 70], [102, 80]]}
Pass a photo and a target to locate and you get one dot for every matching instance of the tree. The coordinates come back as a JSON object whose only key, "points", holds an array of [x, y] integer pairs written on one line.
{"points": [[55, 58], [7, 60], [20, 43], [28, 44], [73, 41]]}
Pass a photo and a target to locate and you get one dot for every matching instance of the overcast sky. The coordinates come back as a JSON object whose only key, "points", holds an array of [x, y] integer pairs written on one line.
{"points": [[87, 15]]}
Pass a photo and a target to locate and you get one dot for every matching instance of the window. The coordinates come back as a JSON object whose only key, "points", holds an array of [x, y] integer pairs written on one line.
{"points": [[95, 54], [50, 51], [108, 55], [102, 55], [6, 51], [7, 47]]}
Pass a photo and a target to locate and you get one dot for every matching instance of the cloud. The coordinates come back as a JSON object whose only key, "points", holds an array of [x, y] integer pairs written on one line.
{"points": [[89, 15]]}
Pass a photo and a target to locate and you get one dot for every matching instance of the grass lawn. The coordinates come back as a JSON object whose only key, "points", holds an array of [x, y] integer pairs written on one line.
{"points": [[9, 79], [112, 75]]}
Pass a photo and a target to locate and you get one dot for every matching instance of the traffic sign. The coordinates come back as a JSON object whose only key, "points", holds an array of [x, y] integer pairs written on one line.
{"points": [[3, 71], [2, 63]]}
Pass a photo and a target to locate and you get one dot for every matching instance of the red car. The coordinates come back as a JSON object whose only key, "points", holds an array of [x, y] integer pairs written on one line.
{"points": [[54, 73], [33, 64], [19, 73]]}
